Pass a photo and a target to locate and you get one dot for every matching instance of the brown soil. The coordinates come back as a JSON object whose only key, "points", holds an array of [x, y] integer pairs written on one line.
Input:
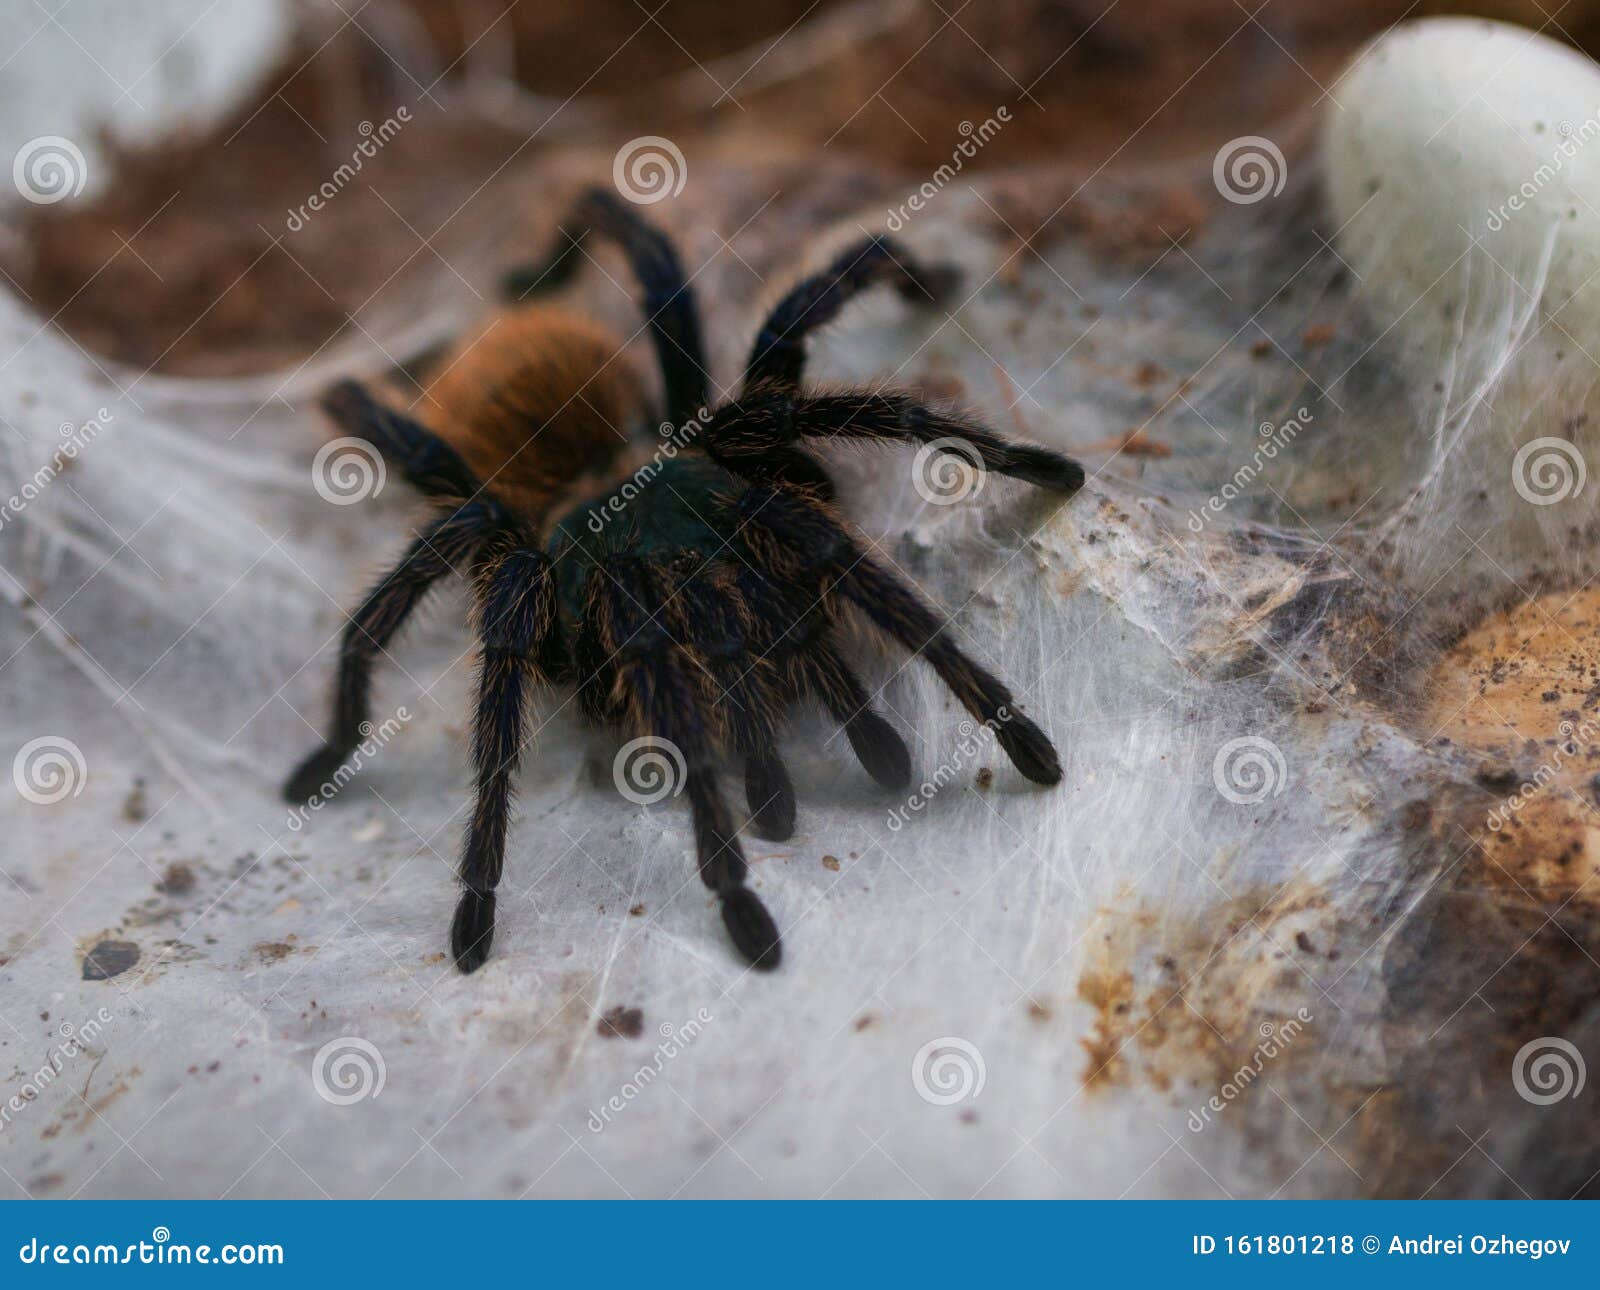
{"points": [[1523, 691], [187, 263]]}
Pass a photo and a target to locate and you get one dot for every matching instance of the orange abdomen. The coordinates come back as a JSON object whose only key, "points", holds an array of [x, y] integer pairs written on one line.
{"points": [[534, 399]]}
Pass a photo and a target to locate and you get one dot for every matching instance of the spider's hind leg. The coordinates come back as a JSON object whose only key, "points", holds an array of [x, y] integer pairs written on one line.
{"points": [[669, 303], [429, 464], [779, 353], [658, 698]]}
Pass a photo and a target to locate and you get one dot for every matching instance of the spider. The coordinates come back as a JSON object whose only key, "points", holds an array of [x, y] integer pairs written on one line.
{"points": [[693, 604]]}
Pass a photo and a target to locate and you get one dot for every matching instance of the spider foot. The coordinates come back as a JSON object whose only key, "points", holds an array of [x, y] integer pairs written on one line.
{"points": [[880, 750], [315, 777], [1029, 748], [1043, 468], [472, 930], [754, 933], [770, 796]]}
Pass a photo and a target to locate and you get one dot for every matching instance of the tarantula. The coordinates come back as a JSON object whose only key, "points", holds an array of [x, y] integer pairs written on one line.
{"points": [[694, 607]]}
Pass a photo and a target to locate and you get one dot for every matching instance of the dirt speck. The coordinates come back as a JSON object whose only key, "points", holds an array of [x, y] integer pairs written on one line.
{"points": [[273, 951], [108, 959], [1039, 1011], [985, 778], [865, 1020], [831, 862], [621, 1022], [177, 879], [1110, 994], [135, 806], [637, 911], [1415, 815]]}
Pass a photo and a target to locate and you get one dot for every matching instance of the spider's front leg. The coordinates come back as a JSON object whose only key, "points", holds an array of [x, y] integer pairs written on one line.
{"points": [[516, 615], [804, 534], [659, 699]]}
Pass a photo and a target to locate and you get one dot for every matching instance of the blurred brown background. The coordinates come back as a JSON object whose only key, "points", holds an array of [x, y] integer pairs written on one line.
{"points": [[182, 265]]}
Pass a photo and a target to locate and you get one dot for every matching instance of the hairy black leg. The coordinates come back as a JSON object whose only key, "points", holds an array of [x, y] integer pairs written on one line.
{"points": [[669, 303], [794, 628], [812, 539], [900, 417], [756, 436], [429, 464], [516, 613], [779, 353], [821, 671], [447, 543], [660, 700], [711, 618]]}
